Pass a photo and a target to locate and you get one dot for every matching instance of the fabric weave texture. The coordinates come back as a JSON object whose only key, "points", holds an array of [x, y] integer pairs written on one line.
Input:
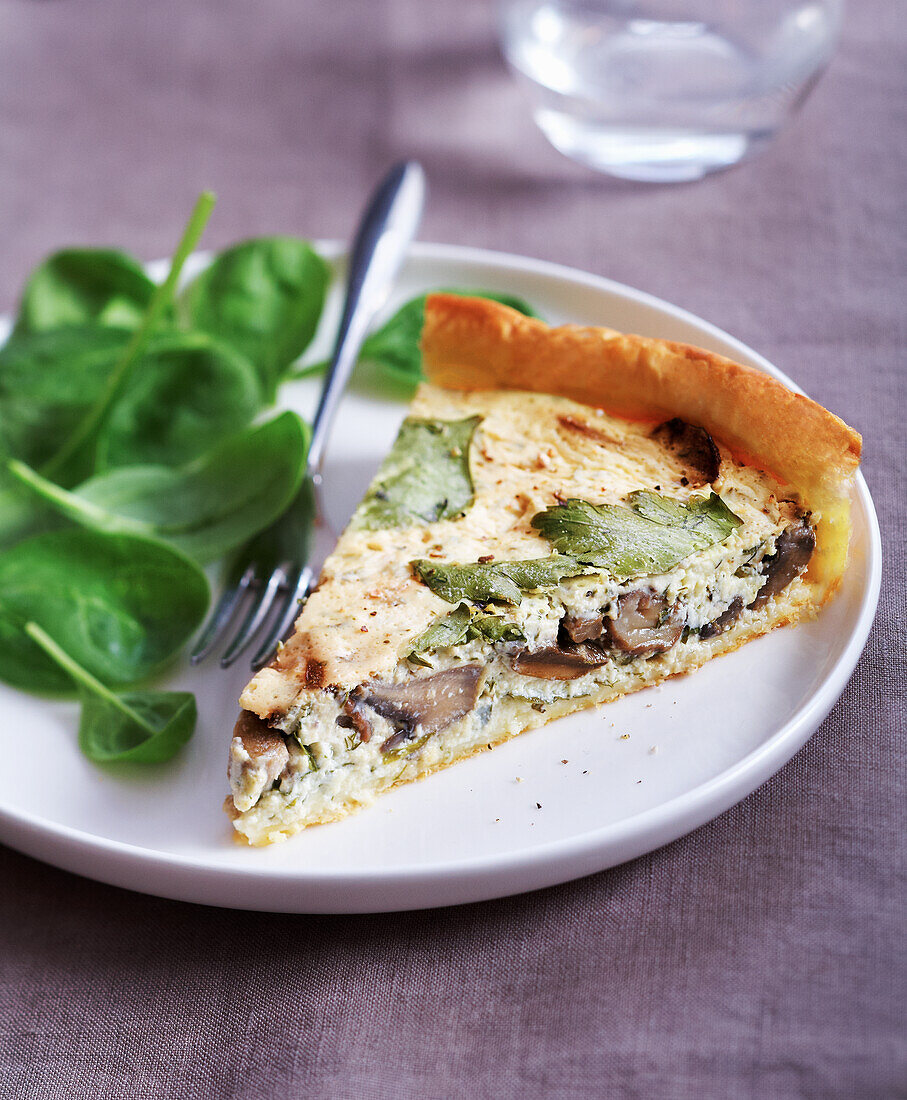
{"points": [[760, 957]]}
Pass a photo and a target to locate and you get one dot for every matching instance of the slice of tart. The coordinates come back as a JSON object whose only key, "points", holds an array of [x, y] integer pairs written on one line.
{"points": [[567, 515]]}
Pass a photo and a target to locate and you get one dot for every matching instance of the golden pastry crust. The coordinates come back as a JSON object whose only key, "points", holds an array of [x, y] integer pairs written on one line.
{"points": [[477, 344]]}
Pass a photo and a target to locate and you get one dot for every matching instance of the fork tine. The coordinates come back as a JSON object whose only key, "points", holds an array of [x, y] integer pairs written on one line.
{"points": [[256, 614], [385, 231], [220, 617], [285, 618]]}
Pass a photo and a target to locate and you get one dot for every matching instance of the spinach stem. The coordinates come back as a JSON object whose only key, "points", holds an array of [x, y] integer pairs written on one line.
{"points": [[71, 504], [81, 675], [161, 298]]}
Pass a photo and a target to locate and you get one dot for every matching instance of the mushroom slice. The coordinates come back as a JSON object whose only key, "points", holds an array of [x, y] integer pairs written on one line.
{"points": [[645, 623], [556, 663], [793, 550], [583, 628], [426, 703], [724, 620], [258, 756], [353, 719], [693, 446]]}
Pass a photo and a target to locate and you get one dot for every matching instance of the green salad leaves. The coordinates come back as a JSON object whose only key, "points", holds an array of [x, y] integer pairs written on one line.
{"points": [[204, 509], [120, 605], [146, 727], [49, 381], [133, 450], [189, 394], [80, 286], [75, 453], [263, 298]]}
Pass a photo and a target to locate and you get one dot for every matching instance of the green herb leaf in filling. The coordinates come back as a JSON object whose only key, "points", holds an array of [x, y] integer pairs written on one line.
{"points": [[500, 580], [462, 625], [707, 519], [451, 630], [652, 535], [425, 478], [494, 629]]}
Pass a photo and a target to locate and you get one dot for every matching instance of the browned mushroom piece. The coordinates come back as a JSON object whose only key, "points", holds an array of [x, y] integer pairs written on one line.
{"points": [[352, 718], [266, 747], [645, 623], [557, 663], [724, 620], [428, 703], [257, 761], [583, 628], [693, 446], [793, 549]]}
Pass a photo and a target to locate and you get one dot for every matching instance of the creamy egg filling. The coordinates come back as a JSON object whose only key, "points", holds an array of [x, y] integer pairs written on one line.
{"points": [[468, 601], [338, 745]]}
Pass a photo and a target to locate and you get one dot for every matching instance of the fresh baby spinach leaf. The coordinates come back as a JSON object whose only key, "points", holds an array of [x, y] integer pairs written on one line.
{"points": [[286, 539], [80, 286], [483, 581], [186, 394], [143, 727], [49, 381], [146, 727], [652, 535], [264, 297], [424, 478], [21, 513], [121, 606], [74, 457], [204, 509]]}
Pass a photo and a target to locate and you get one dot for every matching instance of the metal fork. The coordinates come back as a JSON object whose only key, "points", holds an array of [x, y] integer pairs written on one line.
{"points": [[274, 567]]}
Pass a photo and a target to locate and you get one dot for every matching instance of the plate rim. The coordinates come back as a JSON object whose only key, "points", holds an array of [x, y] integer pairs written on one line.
{"points": [[476, 878]]}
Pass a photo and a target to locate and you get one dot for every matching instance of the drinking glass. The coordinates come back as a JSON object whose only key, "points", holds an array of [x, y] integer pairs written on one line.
{"points": [[666, 90]]}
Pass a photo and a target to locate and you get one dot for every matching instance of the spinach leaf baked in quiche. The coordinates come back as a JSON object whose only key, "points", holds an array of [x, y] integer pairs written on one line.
{"points": [[568, 514]]}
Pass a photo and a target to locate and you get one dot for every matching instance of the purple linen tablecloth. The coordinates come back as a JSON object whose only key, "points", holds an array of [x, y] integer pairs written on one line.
{"points": [[763, 955]]}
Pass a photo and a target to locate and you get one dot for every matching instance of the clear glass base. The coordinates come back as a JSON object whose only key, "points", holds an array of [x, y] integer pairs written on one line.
{"points": [[647, 154], [659, 91]]}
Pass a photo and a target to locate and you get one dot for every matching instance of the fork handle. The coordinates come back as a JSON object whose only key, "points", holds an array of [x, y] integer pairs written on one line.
{"points": [[386, 230]]}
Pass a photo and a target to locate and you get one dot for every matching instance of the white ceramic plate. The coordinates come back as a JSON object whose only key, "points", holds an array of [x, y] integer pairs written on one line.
{"points": [[580, 795]]}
